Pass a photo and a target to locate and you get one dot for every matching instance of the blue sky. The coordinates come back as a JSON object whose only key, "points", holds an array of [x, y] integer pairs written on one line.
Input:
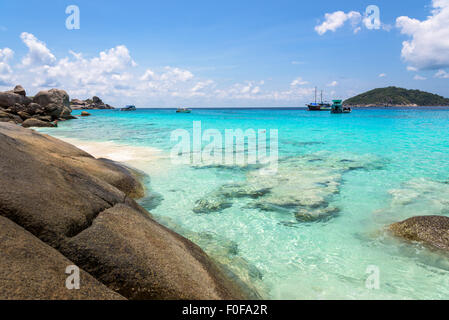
{"points": [[223, 53]]}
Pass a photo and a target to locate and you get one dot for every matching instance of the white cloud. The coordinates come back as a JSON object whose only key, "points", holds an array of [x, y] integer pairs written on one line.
{"points": [[410, 68], [442, 74], [298, 82], [6, 54], [419, 78], [429, 44], [382, 75], [333, 84], [336, 20], [38, 53], [6, 77], [201, 85], [113, 75]]}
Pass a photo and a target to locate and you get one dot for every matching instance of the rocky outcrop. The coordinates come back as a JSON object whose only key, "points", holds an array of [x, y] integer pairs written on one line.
{"points": [[85, 114], [30, 269], [20, 90], [83, 208], [53, 103], [28, 123], [429, 230], [9, 98], [89, 104]]}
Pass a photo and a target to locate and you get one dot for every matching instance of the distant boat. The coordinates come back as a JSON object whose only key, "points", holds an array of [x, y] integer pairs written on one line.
{"points": [[337, 107], [128, 108], [322, 106], [183, 110]]}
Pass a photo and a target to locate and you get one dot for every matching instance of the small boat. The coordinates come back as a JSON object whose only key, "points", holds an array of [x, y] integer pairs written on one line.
{"points": [[183, 110], [128, 108], [322, 106], [337, 107]]}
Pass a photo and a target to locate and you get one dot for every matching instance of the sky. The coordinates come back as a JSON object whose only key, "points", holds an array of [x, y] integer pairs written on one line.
{"points": [[223, 53]]}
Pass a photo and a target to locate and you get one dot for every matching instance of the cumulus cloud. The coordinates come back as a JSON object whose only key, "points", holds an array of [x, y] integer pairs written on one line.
{"points": [[382, 75], [6, 77], [442, 74], [428, 47], [333, 84], [38, 53], [419, 78], [335, 20], [410, 68], [114, 75], [298, 82]]}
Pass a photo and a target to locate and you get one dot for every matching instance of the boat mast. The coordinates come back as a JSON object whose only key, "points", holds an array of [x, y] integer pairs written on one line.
{"points": [[321, 96], [315, 94]]}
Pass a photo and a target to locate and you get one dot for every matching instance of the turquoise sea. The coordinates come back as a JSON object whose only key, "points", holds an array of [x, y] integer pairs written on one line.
{"points": [[317, 228]]}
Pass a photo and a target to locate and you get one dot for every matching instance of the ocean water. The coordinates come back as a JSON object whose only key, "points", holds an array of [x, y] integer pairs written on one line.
{"points": [[316, 229]]}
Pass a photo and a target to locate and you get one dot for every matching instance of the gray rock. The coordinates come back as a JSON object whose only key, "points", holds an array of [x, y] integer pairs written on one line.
{"points": [[8, 117], [33, 108], [82, 207], [32, 270], [55, 102], [8, 99], [36, 123], [20, 90]]}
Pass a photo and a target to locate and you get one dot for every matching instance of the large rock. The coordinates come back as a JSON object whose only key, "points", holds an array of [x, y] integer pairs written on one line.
{"points": [[8, 117], [33, 108], [55, 102], [164, 264], [28, 123], [20, 90], [82, 207], [430, 230], [30, 269], [94, 103], [8, 99]]}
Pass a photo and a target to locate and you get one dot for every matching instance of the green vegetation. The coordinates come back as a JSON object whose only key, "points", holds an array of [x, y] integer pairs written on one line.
{"points": [[393, 96]]}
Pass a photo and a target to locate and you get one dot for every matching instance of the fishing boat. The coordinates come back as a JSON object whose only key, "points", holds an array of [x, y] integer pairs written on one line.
{"points": [[322, 106], [128, 108], [337, 107], [183, 110]]}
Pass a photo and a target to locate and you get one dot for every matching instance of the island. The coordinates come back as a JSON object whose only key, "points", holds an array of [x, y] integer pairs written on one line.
{"points": [[396, 97]]}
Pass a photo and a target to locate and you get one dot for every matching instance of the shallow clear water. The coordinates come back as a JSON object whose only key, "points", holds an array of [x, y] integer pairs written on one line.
{"points": [[312, 230]]}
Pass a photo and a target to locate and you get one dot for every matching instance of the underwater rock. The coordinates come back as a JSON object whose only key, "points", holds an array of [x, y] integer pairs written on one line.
{"points": [[430, 230], [316, 214], [303, 186], [415, 197], [209, 205], [225, 252]]}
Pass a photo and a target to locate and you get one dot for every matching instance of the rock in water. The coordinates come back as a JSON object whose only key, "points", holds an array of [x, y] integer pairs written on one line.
{"points": [[30, 269], [85, 114], [430, 230], [82, 207]]}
